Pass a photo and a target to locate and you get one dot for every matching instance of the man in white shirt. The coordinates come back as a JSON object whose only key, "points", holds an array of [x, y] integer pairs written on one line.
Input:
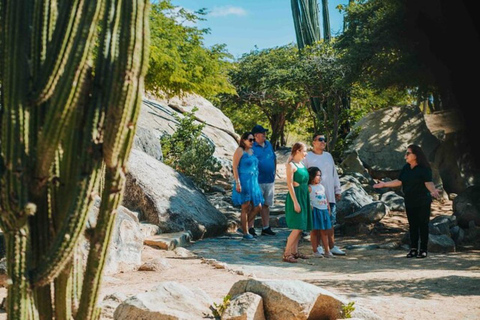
{"points": [[322, 159]]}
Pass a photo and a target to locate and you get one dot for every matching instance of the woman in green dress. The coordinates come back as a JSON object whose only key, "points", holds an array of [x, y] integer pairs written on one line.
{"points": [[298, 212]]}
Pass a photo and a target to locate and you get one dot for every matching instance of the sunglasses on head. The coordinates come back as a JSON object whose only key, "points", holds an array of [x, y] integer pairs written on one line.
{"points": [[321, 140]]}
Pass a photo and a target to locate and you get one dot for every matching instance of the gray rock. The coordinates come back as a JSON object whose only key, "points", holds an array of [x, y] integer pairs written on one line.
{"points": [[352, 163], [440, 243], [353, 198], [368, 214], [393, 201], [156, 119], [126, 244], [245, 306], [3, 272], [148, 141], [466, 207], [292, 299], [442, 225], [457, 234], [168, 300], [382, 137], [165, 198]]}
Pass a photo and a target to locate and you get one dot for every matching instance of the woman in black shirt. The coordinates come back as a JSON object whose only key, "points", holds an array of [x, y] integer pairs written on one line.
{"points": [[418, 188]]}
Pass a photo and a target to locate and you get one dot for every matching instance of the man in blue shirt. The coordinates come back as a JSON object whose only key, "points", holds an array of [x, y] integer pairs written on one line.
{"points": [[267, 168]]}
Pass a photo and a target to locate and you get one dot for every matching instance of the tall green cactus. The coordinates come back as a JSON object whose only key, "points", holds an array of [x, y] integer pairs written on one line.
{"points": [[71, 83]]}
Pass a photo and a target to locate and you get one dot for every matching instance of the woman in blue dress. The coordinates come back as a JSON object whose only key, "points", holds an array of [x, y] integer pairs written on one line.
{"points": [[246, 191]]}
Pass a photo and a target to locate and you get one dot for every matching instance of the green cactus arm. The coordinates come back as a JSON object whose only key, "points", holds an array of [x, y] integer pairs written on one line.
{"points": [[61, 250], [63, 293], [134, 36], [67, 35], [68, 92], [127, 87], [14, 118], [19, 304]]}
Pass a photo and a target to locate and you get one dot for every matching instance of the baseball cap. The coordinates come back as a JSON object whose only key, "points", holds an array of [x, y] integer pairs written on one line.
{"points": [[259, 129]]}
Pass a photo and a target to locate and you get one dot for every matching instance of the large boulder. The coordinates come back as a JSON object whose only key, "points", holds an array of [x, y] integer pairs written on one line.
{"points": [[368, 214], [168, 300], [381, 138], [156, 119], [466, 207], [295, 299], [453, 158], [353, 198], [126, 243], [246, 306], [166, 198]]}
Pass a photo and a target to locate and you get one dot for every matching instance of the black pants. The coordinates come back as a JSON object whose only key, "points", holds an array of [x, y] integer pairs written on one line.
{"points": [[418, 218]]}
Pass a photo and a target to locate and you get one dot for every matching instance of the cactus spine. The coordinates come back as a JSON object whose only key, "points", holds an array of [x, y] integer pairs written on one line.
{"points": [[67, 125]]}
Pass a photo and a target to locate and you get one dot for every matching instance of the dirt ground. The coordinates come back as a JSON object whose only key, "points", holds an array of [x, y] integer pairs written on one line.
{"points": [[442, 286]]}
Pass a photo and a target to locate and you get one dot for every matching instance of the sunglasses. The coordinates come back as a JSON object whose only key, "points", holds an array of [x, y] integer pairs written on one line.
{"points": [[321, 140], [251, 140], [408, 153]]}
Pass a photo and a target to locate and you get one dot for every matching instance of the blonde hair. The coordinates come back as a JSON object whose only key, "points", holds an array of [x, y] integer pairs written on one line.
{"points": [[298, 146]]}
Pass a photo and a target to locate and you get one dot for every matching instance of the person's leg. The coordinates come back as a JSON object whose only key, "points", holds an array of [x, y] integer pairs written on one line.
{"points": [[244, 217], [326, 245], [314, 240], [253, 213], [291, 246], [268, 190], [423, 220], [413, 227], [331, 233]]}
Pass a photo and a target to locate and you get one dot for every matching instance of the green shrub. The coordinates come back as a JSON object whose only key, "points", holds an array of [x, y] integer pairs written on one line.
{"points": [[188, 152]]}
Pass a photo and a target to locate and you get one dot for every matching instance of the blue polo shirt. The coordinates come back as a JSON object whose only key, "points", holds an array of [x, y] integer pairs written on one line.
{"points": [[266, 162]]}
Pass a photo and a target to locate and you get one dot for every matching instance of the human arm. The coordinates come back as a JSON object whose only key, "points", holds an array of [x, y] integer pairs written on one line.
{"points": [[336, 183], [290, 185], [433, 191], [388, 184], [237, 155]]}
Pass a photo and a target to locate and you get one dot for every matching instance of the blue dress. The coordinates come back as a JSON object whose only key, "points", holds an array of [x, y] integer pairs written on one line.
{"points": [[248, 175]]}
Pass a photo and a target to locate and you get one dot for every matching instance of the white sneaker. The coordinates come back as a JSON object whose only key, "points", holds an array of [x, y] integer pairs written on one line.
{"points": [[329, 255], [320, 250], [318, 255], [336, 250]]}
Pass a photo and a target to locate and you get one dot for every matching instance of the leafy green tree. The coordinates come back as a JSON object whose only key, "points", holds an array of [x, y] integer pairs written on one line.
{"points": [[379, 51], [179, 62], [190, 153], [268, 78]]}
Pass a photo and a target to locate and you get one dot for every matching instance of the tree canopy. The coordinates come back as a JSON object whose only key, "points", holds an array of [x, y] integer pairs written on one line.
{"points": [[179, 61]]}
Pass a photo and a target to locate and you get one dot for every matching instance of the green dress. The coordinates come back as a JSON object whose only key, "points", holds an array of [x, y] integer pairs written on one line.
{"points": [[302, 220]]}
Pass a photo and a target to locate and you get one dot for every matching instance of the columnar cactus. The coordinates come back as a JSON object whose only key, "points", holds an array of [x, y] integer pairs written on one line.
{"points": [[71, 82]]}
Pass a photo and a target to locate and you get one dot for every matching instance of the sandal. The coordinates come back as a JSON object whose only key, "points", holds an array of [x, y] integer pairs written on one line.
{"points": [[412, 253], [300, 256], [290, 259], [422, 254]]}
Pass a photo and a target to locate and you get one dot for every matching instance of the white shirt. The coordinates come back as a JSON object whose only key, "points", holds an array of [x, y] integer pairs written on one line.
{"points": [[317, 197], [330, 179]]}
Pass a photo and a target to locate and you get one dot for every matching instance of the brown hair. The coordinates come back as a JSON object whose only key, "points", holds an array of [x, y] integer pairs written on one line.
{"points": [[244, 136], [298, 146], [421, 157]]}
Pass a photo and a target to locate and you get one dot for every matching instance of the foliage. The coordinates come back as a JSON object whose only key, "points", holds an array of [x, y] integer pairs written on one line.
{"points": [[188, 152], [179, 62], [219, 309], [348, 309], [379, 50], [268, 79], [71, 83]]}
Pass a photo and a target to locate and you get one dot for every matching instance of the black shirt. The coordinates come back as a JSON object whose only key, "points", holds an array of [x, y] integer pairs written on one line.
{"points": [[413, 185]]}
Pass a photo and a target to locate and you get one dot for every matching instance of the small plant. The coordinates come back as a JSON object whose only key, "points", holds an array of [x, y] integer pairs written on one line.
{"points": [[188, 152], [347, 309], [219, 309]]}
